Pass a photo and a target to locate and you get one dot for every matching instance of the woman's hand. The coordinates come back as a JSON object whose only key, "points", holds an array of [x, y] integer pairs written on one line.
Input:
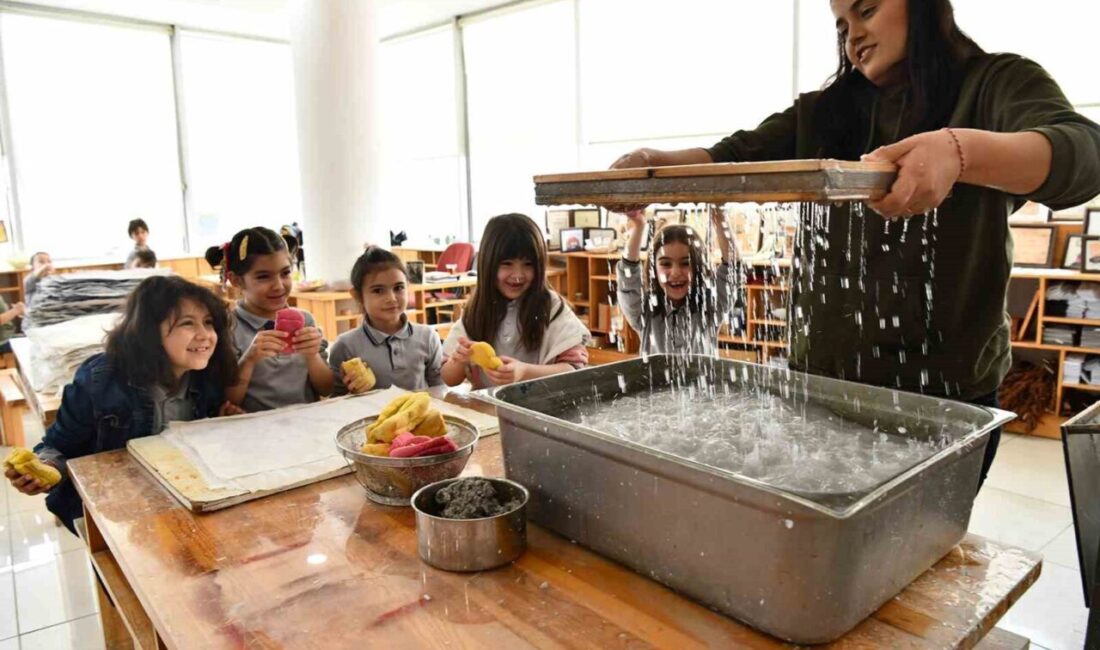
{"points": [[18, 310], [928, 167], [307, 341], [26, 484], [510, 372], [267, 344], [644, 157], [229, 408]]}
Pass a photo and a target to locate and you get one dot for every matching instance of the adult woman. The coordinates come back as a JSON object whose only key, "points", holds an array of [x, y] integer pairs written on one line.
{"points": [[918, 305]]}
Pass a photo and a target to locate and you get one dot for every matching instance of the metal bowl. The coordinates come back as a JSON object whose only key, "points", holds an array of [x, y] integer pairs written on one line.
{"points": [[471, 544], [392, 481]]}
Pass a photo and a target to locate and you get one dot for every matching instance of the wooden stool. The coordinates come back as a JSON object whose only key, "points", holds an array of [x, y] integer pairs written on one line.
{"points": [[12, 405]]}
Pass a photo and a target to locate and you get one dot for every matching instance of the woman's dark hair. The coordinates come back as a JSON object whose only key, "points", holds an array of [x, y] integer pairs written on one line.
{"points": [[699, 298], [373, 260], [936, 50], [239, 254], [509, 237], [134, 346], [135, 225]]}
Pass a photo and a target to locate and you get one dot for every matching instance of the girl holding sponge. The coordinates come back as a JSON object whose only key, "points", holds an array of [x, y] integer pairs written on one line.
{"points": [[514, 327], [388, 349], [169, 358], [281, 352]]}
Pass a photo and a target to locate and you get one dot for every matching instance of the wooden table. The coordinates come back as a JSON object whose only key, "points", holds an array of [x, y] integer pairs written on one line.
{"points": [[321, 566], [44, 405]]}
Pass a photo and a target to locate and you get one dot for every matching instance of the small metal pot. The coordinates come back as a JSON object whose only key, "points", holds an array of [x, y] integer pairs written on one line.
{"points": [[470, 544]]}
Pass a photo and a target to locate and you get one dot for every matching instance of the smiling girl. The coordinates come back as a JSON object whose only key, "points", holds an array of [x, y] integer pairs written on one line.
{"points": [[256, 261], [531, 328], [973, 135], [678, 302], [169, 358], [398, 352]]}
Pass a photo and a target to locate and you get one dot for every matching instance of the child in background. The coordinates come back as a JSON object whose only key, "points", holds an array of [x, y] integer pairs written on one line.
{"points": [[41, 266], [677, 307], [169, 358], [145, 259], [399, 352], [7, 330], [530, 327], [139, 232], [257, 263]]}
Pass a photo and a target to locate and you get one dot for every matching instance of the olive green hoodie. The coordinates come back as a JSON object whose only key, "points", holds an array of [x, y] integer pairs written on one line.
{"points": [[919, 304]]}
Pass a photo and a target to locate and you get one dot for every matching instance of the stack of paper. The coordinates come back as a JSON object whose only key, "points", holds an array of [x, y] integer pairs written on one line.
{"points": [[1090, 373], [1059, 335], [58, 350], [1071, 371], [63, 297], [1090, 337]]}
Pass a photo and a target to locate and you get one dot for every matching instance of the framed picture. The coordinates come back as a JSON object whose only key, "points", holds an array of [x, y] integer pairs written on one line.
{"points": [[1092, 222], [556, 221], [601, 237], [588, 218], [1032, 212], [1090, 261], [1033, 245], [572, 240], [1073, 257], [416, 271]]}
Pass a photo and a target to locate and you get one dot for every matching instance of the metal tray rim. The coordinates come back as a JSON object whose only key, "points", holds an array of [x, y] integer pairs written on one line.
{"points": [[998, 418]]}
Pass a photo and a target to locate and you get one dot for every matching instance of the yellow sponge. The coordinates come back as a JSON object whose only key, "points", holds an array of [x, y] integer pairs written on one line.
{"points": [[355, 369], [483, 354], [26, 463], [433, 425], [411, 412], [377, 448]]}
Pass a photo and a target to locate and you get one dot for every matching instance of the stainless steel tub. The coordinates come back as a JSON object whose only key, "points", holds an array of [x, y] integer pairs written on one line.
{"points": [[805, 568]]}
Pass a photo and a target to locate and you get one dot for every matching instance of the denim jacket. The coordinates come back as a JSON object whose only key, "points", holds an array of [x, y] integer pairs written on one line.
{"points": [[101, 411]]}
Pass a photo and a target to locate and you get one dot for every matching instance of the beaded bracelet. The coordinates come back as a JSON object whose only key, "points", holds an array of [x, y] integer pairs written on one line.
{"points": [[958, 148]]}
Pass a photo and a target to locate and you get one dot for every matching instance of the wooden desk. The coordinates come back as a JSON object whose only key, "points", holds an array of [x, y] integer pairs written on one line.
{"points": [[44, 405], [321, 566]]}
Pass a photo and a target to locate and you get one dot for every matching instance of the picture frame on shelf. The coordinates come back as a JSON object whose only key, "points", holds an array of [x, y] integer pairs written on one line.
{"points": [[600, 239], [1033, 245], [572, 240], [1073, 259], [556, 221], [1031, 212], [1092, 222], [1090, 260], [586, 218]]}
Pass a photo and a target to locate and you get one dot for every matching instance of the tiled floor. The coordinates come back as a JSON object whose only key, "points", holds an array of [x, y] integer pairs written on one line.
{"points": [[47, 597]]}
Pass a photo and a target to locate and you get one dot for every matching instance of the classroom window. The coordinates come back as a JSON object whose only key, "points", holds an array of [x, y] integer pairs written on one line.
{"points": [[93, 127], [241, 135], [423, 167], [521, 91]]}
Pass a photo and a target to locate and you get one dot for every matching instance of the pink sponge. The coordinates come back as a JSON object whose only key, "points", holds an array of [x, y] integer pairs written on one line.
{"points": [[290, 321], [407, 445]]}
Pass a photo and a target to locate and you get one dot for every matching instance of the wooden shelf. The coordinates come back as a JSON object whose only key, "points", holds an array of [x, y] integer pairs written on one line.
{"points": [[1072, 321], [609, 278], [125, 600], [10, 289], [1086, 387], [1031, 345], [768, 322], [348, 317], [725, 338]]}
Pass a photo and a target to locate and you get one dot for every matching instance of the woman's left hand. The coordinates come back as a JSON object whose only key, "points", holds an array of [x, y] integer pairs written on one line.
{"points": [[928, 167], [307, 341], [510, 372]]}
